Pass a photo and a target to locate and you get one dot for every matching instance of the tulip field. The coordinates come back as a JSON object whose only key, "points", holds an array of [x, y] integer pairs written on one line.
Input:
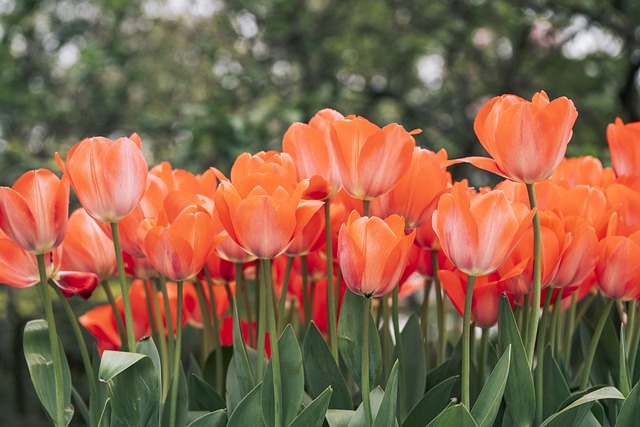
{"points": [[291, 270]]}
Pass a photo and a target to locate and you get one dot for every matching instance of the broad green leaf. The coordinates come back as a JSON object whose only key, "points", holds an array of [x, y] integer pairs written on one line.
{"points": [[431, 404], [387, 413], [339, 417], [623, 376], [183, 401], [209, 369], [212, 419], [242, 369], [133, 386], [292, 377], [105, 416], [202, 396], [412, 378], [234, 392], [556, 389], [147, 347], [447, 369], [519, 393], [37, 351], [456, 415], [321, 370], [249, 410], [375, 397], [573, 413], [630, 412], [486, 407], [313, 414], [350, 339]]}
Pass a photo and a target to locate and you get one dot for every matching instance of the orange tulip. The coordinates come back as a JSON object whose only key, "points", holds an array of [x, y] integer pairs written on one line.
{"points": [[624, 145], [109, 177], [586, 170], [372, 253], [179, 249], [526, 139], [371, 160], [416, 195], [618, 269], [87, 247], [308, 239], [192, 309], [33, 213], [311, 150], [478, 233]]}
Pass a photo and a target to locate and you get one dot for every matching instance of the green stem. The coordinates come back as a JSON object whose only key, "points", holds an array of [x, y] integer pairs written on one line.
{"points": [[442, 323], [526, 313], [366, 309], [537, 275], [205, 314], [163, 343], [86, 359], [631, 323], [633, 351], [128, 318], [262, 323], [331, 299], [283, 295], [219, 362], [466, 334], [395, 314], [53, 342], [150, 308], [424, 321], [569, 333], [116, 313], [365, 207], [273, 338], [247, 301], [168, 318], [540, 355], [484, 353], [387, 344], [594, 344], [306, 293], [557, 308], [173, 409]]}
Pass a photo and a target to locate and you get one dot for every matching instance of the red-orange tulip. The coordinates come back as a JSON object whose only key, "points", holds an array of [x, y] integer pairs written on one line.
{"points": [[372, 253], [371, 160], [33, 213], [109, 177], [624, 145], [526, 139], [618, 269]]}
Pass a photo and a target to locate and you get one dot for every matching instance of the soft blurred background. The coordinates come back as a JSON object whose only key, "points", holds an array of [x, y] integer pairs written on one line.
{"points": [[203, 80]]}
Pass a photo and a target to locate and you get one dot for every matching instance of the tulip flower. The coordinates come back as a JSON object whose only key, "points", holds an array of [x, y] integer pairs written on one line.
{"points": [[477, 233], [372, 253], [371, 160], [586, 170], [624, 145], [618, 269], [526, 140], [33, 213], [108, 176]]}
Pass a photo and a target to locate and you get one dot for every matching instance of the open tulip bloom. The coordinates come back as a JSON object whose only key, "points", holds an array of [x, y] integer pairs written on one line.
{"points": [[537, 262]]}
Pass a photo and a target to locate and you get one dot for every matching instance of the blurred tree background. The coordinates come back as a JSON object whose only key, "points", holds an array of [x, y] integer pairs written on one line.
{"points": [[203, 80]]}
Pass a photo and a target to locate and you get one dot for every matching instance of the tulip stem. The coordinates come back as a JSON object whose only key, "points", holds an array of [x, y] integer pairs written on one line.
{"points": [[532, 328], [273, 338], [215, 334], [442, 322], [331, 300], [168, 318], [631, 323], [59, 418], [540, 355], [150, 308], [395, 314], [484, 353], [424, 320], [594, 343], [205, 314], [365, 207], [94, 409], [116, 312], [466, 335], [128, 318], [175, 382], [247, 301], [555, 316], [387, 344], [633, 351], [569, 333], [262, 320], [283, 295], [306, 292], [364, 376], [162, 339]]}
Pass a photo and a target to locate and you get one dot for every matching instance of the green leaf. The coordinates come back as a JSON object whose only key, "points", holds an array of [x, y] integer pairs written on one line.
{"points": [[183, 401], [413, 375], [314, 414], [339, 417], [321, 370], [519, 393], [447, 369], [242, 369], [292, 378], [350, 339], [630, 411], [623, 376], [573, 413], [202, 396], [105, 416], [387, 413], [37, 352], [249, 410], [234, 390], [456, 415], [431, 404], [556, 389], [133, 387], [486, 407], [358, 419], [212, 419], [147, 347]]}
